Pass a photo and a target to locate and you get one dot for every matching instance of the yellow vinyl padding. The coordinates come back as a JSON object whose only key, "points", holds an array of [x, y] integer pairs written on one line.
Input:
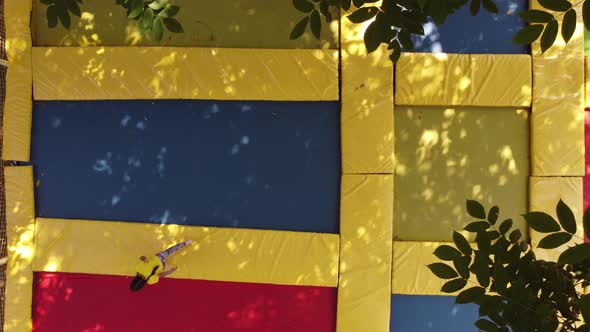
{"points": [[557, 120], [463, 79], [224, 254], [101, 73], [545, 193], [445, 155], [587, 81], [231, 23], [367, 105], [364, 288], [20, 228], [410, 274], [18, 105]]}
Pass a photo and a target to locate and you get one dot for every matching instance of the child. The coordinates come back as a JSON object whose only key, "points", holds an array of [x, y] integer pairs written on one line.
{"points": [[149, 270]]}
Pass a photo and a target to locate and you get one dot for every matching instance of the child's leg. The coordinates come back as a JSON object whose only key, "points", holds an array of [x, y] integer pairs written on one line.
{"points": [[164, 254]]}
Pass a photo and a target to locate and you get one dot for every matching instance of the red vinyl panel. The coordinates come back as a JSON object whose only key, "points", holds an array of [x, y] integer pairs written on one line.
{"points": [[90, 303]]}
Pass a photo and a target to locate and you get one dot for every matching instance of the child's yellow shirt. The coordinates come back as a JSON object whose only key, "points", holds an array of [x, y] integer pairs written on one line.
{"points": [[146, 268]]}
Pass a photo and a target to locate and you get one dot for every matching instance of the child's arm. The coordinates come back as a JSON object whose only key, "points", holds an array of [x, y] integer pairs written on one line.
{"points": [[165, 273]]}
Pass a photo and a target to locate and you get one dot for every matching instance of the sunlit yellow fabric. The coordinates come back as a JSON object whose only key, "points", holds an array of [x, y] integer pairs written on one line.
{"points": [[18, 106], [225, 254], [367, 105], [228, 23], [20, 226], [410, 275], [145, 268], [558, 106], [97, 73], [445, 155], [545, 193], [463, 79], [364, 288]]}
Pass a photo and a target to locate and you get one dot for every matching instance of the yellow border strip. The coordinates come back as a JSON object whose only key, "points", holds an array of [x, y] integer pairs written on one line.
{"points": [[364, 289], [18, 106], [497, 80], [20, 226], [101, 73], [557, 122], [225, 254], [367, 105], [545, 192]]}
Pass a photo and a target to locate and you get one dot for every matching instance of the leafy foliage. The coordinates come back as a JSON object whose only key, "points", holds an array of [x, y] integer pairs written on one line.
{"points": [[152, 15], [396, 21], [514, 290]]}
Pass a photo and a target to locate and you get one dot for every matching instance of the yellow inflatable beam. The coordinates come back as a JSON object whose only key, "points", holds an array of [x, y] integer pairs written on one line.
{"points": [[587, 81], [364, 288], [225, 254], [463, 80], [20, 227], [410, 276], [18, 106], [367, 105], [545, 193], [557, 121], [100, 73]]}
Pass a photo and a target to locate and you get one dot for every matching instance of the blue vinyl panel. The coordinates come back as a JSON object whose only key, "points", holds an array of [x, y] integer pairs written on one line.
{"points": [[264, 165], [420, 313], [485, 33]]}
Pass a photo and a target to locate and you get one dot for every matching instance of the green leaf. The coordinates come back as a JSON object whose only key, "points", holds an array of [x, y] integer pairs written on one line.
{"points": [[158, 29], [51, 16], [47, 2], [397, 51], [442, 270], [556, 5], [371, 37], [345, 4], [173, 25], [515, 236], [575, 254], [584, 304], [315, 23], [474, 7], [483, 242], [406, 40], [136, 9], [486, 325], [541, 222], [481, 269], [299, 28], [461, 264], [470, 295], [568, 27], [536, 16], [325, 10], [493, 215], [454, 285], [303, 6], [63, 15], [169, 11], [555, 240], [505, 226], [490, 6], [587, 221], [586, 14], [461, 243], [147, 19], [477, 226], [363, 14], [156, 4], [475, 209], [549, 35], [73, 7], [564, 213], [528, 34], [446, 253]]}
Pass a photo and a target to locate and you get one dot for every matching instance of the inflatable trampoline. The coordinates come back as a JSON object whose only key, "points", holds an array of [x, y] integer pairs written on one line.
{"points": [[314, 180]]}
